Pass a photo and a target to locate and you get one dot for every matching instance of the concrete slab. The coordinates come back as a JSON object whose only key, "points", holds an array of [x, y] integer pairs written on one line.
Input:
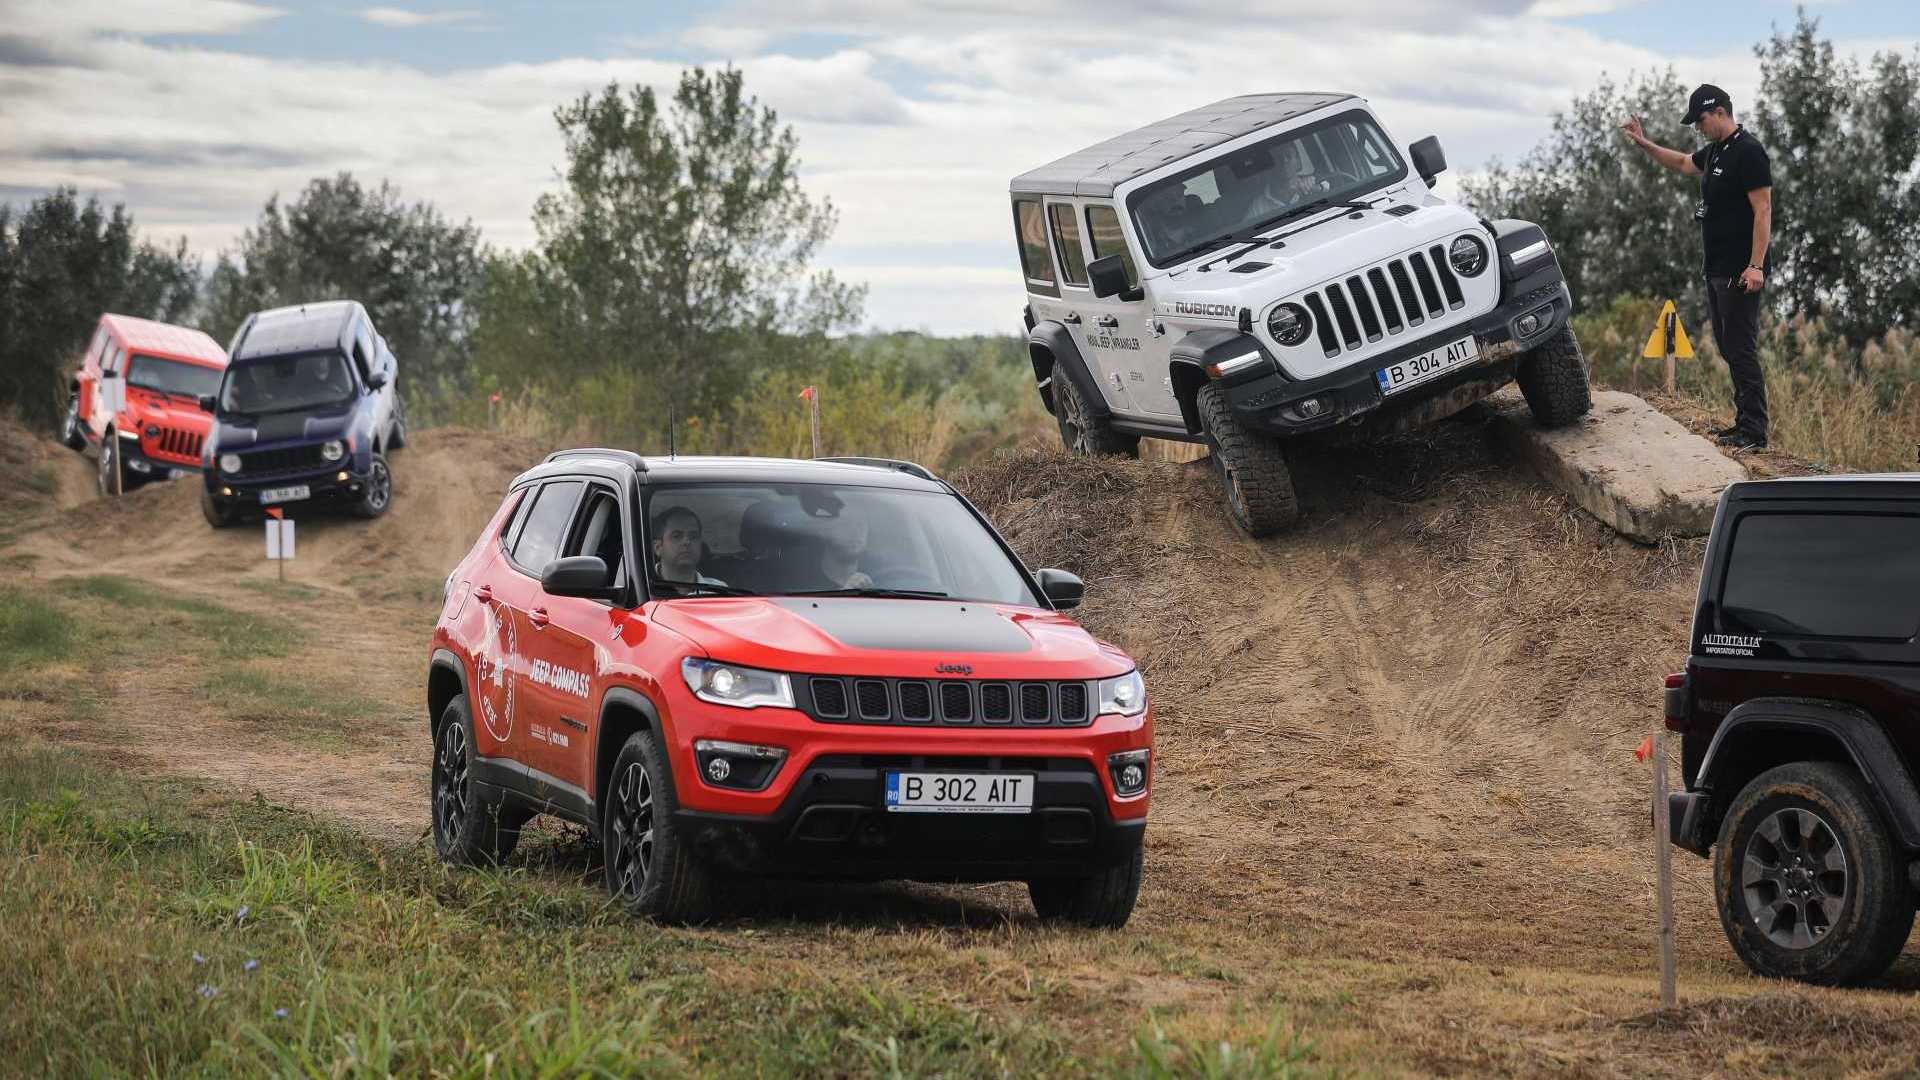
{"points": [[1626, 462]]}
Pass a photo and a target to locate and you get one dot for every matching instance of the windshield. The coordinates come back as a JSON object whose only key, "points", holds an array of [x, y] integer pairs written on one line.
{"points": [[1336, 159], [171, 376], [788, 539], [286, 383]]}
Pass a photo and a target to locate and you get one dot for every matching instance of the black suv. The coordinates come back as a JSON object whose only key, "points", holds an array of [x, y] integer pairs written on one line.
{"points": [[1800, 719]]}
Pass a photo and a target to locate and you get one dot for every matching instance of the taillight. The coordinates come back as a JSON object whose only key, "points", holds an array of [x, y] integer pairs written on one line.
{"points": [[1676, 701]]}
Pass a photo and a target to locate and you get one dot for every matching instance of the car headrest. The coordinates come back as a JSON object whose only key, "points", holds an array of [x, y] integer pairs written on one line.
{"points": [[769, 526]]}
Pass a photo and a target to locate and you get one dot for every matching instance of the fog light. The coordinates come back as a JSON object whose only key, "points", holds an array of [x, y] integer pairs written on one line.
{"points": [[1528, 324], [718, 769], [226, 491], [1311, 408], [737, 766], [341, 476], [1129, 770]]}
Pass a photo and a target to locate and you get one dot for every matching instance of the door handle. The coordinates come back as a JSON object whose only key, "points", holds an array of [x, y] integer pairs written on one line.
{"points": [[484, 594], [1108, 320], [538, 617], [1072, 317]]}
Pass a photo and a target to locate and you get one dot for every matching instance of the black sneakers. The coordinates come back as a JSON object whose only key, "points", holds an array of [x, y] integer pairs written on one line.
{"points": [[1735, 439]]}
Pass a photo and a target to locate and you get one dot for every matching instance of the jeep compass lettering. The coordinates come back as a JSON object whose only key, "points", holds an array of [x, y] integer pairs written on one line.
{"points": [[824, 669]]}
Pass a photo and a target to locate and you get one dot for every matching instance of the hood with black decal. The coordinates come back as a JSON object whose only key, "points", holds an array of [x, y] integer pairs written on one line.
{"points": [[891, 637], [240, 433]]}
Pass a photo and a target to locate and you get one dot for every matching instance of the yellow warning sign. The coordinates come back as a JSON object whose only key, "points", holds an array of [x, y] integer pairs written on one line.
{"points": [[1658, 343]]}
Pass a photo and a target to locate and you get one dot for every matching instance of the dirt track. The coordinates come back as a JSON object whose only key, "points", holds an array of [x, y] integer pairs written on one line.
{"points": [[1404, 732]]}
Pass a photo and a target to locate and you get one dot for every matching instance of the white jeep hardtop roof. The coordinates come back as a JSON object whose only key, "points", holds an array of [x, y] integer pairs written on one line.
{"points": [[1098, 169]]}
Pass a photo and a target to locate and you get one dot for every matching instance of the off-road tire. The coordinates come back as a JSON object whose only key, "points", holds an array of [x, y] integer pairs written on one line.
{"points": [[1102, 900], [378, 496], [397, 438], [1553, 378], [469, 829], [668, 882], [1874, 913], [1252, 469], [1082, 432], [70, 436], [220, 517], [109, 475]]}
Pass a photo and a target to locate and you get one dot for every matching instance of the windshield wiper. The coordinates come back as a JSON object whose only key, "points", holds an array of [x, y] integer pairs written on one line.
{"points": [[697, 588], [910, 594]]}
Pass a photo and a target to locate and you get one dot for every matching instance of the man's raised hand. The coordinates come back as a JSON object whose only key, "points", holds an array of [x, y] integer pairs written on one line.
{"points": [[1631, 126]]}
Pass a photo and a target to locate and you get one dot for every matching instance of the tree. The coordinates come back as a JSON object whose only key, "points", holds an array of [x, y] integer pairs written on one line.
{"points": [[1844, 144], [62, 264], [674, 261], [413, 269]]}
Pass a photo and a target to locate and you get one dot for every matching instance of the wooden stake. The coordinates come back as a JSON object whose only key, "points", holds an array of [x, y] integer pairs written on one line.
{"points": [[1672, 320], [813, 402], [1663, 846]]}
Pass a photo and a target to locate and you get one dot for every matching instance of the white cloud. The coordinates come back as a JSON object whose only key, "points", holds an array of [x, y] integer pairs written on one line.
{"points": [[402, 18], [147, 17]]}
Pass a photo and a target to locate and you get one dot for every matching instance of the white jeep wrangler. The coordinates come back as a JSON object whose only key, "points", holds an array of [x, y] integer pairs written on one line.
{"points": [[1269, 266]]}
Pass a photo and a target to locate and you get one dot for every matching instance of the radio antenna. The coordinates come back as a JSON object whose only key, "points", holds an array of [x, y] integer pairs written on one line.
{"points": [[670, 426]]}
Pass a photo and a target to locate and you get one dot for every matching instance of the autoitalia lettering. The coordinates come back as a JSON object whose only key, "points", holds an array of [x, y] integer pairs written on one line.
{"points": [[564, 679], [1219, 311], [1730, 644]]}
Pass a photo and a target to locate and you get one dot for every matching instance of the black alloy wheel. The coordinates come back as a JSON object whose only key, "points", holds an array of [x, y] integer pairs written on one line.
{"points": [[1082, 432], [1794, 875], [630, 841], [452, 794], [378, 495], [110, 479], [70, 436]]}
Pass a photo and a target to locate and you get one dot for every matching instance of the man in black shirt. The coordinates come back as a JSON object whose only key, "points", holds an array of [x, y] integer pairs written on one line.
{"points": [[1736, 226]]}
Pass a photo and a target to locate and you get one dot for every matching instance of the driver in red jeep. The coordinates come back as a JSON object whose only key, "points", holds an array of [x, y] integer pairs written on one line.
{"points": [[821, 669]]}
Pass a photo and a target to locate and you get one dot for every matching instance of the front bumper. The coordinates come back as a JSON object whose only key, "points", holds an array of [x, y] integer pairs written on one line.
{"points": [[832, 825], [1266, 401], [337, 485]]}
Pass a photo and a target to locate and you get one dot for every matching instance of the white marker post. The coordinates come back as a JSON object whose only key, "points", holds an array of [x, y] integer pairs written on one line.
{"points": [[279, 541], [1663, 867]]}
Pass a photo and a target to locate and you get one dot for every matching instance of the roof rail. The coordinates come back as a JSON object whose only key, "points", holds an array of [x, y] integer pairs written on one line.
{"points": [[907, 467], [625, 456]]}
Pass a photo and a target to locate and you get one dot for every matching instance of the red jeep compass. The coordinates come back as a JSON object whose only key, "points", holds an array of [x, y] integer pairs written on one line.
{"points": [[829, 669]]}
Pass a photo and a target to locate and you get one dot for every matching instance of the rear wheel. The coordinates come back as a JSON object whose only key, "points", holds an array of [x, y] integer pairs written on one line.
{"points": [[70, 436], [1083, 432], [468, 830], [1251, 467], [110, 477], [379, 491], [1104, 899], [1553, 379], [1810, 883], [651, 869]]}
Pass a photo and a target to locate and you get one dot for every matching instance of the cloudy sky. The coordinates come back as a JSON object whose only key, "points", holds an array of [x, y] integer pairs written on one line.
{"points": [[911, 117]]}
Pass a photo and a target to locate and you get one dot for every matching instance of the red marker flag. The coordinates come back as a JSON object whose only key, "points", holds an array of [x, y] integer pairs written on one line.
{"points": [[494, 400], [276, 513], [807, 394], [1644, 750]]}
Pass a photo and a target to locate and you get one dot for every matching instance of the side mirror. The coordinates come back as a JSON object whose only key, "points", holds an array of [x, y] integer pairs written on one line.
{"points": [[1062, 590], [207, 403], [377, 379], [580, 575], [1428, 159], [1108, 276]]}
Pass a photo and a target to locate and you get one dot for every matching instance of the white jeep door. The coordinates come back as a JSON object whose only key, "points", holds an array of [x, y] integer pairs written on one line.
{"points": [[1119, 328], [1057, 290]]}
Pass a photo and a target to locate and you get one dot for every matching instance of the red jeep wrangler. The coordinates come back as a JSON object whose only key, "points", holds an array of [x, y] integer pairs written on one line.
{"points": [[828, 669], [136, 398]]}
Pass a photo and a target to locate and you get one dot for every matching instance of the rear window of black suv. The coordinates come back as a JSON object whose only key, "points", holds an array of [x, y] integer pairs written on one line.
{"points": [[1824, 575]]}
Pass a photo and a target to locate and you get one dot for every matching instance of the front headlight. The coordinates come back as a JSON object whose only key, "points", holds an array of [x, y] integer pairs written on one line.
{"points": [[731, 684], [1468, 255], [230, 463], [1289, 324], [1125, 696], [333, 449]]}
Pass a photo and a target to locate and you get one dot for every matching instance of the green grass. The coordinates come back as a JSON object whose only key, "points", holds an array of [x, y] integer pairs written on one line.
{"points": [[165, 937], [33, 633], [316, 714], [281, 590], [172, 619]]}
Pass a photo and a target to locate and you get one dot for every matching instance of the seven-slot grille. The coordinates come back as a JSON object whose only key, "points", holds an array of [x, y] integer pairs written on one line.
{"points": [[288, 459], [839, 700], [1384, 300], [182, 444]]}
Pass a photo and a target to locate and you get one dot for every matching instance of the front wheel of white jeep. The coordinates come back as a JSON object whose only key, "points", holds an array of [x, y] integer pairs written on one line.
{"points": [[1553, 379], [1251, 467], [1083, 433]]}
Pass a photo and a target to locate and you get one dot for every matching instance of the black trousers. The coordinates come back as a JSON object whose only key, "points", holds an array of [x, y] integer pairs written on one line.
{"points": [[1736, 331]]}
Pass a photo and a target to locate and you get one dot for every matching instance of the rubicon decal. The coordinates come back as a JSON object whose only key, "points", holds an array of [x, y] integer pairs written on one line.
{"points": [[565, 679], [1218, 311], [1730, 644]]}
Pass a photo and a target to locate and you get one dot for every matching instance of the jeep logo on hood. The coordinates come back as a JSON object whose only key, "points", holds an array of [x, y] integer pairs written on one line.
{"points": [[1222, 311], [953, 669]]}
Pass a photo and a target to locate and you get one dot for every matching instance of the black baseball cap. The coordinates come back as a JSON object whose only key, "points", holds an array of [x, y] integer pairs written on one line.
{"points": [[1707, 97]]}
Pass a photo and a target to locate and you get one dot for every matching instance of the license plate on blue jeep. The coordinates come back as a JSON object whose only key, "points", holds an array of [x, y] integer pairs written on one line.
{"points": [[284, 494], [959, 793], [1415, 370]]}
